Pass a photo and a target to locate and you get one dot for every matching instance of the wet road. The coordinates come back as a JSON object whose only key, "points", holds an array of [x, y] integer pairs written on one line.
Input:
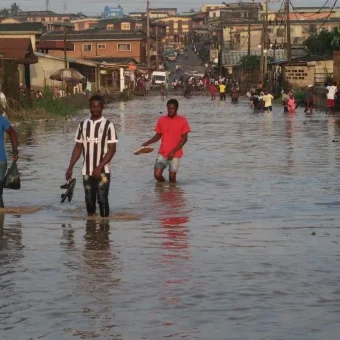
{"points": [[227, 253], [192, 64]]}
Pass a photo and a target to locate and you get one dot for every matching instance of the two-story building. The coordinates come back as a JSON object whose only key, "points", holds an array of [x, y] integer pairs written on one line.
{"points": [[133, 24], [85, 23], [101, 44], [178, 28], [44, 16]]}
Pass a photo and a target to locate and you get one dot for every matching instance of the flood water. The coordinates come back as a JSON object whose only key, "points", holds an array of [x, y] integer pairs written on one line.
{"points": [[227, 253]]}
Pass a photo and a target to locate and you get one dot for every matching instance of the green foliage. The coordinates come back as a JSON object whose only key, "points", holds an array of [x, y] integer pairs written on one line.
{"points": [[324, 42], [65, 106], [12, 11], [250, 62]]}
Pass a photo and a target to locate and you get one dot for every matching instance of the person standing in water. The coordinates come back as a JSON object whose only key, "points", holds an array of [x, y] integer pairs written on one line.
{"points": [[96, 139], [331, 91], [173, 130], [267, 99], [212, 89], [5, 126], [163, 91]]}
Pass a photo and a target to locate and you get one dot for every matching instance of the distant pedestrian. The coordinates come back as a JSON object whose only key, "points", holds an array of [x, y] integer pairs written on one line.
{"points": [[291, 103], [331, 91], [309, 99], [267, 99], [222, 90], [212, 90], [163, 91]]}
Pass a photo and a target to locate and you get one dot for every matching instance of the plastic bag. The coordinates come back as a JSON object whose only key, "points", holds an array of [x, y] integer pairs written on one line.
{"points": [[12, 178]]}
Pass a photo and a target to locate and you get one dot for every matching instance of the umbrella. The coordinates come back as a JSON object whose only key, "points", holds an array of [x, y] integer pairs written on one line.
{"points": [[68, 75]]}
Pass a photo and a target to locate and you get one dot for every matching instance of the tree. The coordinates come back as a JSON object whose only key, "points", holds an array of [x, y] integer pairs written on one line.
{"points": [[15, 9], [335, 42], [320, 44], [192, 10], [4, 13], [250, 62]]}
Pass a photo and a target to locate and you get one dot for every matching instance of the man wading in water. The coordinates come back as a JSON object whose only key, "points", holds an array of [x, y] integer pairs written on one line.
{"points": [[173, 130], [5, 126], [96, 138]]}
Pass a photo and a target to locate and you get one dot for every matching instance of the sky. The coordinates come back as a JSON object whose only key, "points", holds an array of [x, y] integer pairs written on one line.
{"points": [[95, 7]]}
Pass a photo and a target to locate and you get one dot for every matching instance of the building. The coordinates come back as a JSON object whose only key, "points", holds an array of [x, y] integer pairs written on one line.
{"points": [[207, 8], [31, 30], [16, 57], [113, 12], [169, 11], [137, 14], [43, 16], [101, 44], [47, 65], [178, 28], [133, 24], [84, 23]]}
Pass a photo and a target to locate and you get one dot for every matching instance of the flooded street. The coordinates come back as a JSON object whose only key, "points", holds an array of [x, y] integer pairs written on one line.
{"points": [[227, 253]]}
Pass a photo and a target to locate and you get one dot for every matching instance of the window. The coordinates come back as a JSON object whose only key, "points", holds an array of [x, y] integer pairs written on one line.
{"points": [[87, 47], [110, 27], [312, 28], [92, 25], [101, 46], [81, 27], [123, 47], [139, 27], [125, 26], [280, 32]]}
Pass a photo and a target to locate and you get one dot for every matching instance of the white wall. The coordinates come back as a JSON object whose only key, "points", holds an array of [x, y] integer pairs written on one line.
{"points": [[40, 72]]}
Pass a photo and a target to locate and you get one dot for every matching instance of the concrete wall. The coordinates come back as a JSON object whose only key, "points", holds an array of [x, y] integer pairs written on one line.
{"points": [[299, 76], [40, 72]]}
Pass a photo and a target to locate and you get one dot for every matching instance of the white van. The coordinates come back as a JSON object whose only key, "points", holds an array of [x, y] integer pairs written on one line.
{"points": [[159, 77]]}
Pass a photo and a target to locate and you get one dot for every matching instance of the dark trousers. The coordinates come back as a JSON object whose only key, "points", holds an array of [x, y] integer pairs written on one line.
{"points": [[3, 169], [222, 96], [97, 190]]}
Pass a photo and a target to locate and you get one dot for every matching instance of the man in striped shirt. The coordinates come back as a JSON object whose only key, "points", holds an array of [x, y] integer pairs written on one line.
{"points": [[96, 139]]}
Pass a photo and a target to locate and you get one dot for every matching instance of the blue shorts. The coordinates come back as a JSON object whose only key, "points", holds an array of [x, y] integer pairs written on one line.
{"points": [[163, 163]]}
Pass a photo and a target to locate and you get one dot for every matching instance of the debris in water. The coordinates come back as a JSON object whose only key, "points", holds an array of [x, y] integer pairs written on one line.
{"points": [[313, 233]]}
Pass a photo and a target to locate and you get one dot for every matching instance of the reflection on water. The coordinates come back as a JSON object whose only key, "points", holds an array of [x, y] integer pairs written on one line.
{"points": [[239, 248]]}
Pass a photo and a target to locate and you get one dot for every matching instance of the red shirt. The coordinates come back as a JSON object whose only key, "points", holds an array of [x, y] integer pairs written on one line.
{"points": [[212, 88], [172, 130]]}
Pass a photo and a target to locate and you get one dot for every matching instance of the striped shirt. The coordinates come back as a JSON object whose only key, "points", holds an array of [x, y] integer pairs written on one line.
{"points": [[95, 137]]}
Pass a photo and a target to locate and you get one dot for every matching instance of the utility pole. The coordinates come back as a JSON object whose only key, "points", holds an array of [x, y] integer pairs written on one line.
{"points": [[264, 43], [157, 60], [148, 31], [65, 54], [288, 40], [249, 29], [221, 48]]}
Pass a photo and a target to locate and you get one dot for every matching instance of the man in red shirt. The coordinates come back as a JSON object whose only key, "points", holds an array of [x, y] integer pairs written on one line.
{"points": [[173, 130]]}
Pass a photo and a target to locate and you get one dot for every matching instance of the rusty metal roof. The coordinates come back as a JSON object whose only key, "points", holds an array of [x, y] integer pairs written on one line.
{"points": [[16, 48], [55, 45]]}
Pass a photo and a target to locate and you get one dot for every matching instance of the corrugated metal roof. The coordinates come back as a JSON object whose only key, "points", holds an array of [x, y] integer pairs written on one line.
{"points": [[95, 34], [22, 27], [13, 48]]}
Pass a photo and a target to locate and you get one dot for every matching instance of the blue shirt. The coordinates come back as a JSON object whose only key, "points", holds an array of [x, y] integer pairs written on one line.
{"points": [[4, 125]]}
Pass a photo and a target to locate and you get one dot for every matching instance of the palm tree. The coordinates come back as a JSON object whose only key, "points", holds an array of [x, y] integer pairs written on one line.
{"points": [[335, 42], [15, 9]]}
